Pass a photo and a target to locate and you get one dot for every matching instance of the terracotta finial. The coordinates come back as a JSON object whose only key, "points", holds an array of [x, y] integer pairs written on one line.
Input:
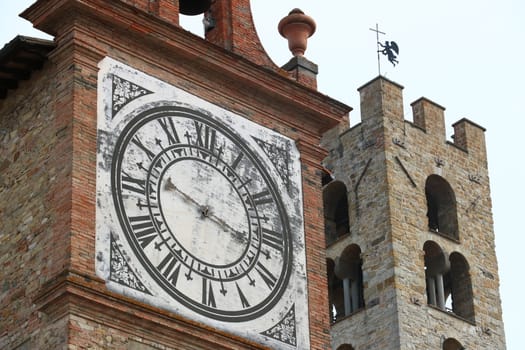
{"points": [[297, 28]]}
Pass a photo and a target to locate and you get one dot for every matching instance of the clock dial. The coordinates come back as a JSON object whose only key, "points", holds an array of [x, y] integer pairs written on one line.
{"points": [[201, 213]]}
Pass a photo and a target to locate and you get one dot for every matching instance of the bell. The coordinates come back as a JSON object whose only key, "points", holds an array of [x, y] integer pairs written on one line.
{"points": [[194, 7]]}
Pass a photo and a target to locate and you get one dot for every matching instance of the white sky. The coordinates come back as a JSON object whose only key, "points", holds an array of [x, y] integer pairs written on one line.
{"points": [[465, 55]]}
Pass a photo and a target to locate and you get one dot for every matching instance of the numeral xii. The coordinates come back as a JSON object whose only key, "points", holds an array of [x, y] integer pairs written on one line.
{"points": [[206, 136]]}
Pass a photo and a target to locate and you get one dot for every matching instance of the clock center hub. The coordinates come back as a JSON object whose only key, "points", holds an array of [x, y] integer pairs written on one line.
{"points": [[204, 212]]}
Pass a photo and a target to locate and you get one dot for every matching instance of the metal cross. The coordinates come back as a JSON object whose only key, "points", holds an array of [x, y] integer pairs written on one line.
{"points": [[377, 43]]}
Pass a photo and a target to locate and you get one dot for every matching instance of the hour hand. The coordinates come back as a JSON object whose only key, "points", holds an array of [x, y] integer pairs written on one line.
{"points": [[170, 186]]}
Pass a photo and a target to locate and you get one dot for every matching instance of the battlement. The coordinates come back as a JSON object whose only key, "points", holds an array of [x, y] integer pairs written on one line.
{"points": [[416, 208], [382, 106]]}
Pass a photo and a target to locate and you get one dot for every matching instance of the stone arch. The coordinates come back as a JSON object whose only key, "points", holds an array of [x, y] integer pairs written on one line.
{"points": [[452, 344], [345, 347], [335, 204], [335, 292], [326, 177], [461, 287], [448, 282], [436, 268], [441, 207], [349, 271]]}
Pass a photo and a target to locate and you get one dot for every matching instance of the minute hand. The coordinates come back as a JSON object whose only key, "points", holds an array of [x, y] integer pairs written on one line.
{"points": [[204, 209]]}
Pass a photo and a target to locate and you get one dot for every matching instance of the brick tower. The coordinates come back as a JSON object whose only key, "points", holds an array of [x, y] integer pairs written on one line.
{"points": [[160, 190], [410, 244]]}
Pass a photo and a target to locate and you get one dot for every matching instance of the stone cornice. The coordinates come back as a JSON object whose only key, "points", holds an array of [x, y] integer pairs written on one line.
{"points": [[74, 293]]}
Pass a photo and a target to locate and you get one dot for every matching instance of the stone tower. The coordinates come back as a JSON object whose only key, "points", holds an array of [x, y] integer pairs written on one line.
{"points": [[410, 244]]}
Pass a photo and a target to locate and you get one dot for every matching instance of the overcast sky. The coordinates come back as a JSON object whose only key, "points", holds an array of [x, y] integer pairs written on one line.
{"points": [[465, 55]]}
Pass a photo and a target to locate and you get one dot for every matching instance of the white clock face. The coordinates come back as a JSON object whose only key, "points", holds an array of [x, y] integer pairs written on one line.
{"points": [[199, 210], [201, 213]]}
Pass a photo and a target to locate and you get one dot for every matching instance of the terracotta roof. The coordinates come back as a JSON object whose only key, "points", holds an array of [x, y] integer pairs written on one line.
{"points": [[19, 58]]}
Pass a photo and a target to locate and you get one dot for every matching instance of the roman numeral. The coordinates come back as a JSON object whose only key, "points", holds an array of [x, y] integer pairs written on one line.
{"points": [[206, 137], [237, 161], [244, 184], [188, 275], [132, 184], [140, 145], [222, 290], [208, 298], [170, 268], [272, 239], [244, 301], [169, 128], [263, 197], [144, 229], [266, 275]]}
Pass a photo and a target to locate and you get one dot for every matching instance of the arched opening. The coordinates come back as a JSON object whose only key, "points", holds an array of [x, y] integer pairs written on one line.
{"points": [[345, 347], [436, 268], [441, 207], [461, 287], [194, 16], [335, 203], [452, 344], [349, 271], [335, 292], [448, 281]]}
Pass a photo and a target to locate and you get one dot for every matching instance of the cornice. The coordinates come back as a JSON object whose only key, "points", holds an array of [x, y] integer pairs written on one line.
{"points": [[75, 293]]}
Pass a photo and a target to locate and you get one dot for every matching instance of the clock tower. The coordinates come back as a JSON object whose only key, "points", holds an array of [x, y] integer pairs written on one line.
{"points": [[168, 184], [166, 191]]}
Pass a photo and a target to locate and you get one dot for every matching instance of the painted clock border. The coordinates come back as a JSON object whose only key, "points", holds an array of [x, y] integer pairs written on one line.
{"points": [[126, 99]]}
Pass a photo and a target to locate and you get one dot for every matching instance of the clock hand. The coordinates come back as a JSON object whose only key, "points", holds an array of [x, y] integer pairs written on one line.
{"points": [[171, 187], [206, 212], [204, 209], [241, 236]]}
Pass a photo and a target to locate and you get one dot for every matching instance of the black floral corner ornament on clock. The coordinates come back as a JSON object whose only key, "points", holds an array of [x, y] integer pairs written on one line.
{"points": [[284, 331], [123, 92], [200, 201], [120, 271]]}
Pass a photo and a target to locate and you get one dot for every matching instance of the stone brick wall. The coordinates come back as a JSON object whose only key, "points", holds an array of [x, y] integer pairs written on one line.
{"points": [[357, 158], [35, 178], [388, 220]]}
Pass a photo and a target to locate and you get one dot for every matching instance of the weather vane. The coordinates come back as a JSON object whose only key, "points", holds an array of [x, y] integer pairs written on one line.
{"points": [[389, 49]]}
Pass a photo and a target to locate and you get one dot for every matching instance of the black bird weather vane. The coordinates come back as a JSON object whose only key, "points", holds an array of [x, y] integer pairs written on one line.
{"points": [[389, 49]]}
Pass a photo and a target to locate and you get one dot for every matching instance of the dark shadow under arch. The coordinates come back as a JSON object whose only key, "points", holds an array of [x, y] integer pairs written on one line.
{"points": [[452, 344], [335, 204], [441, 207]]}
